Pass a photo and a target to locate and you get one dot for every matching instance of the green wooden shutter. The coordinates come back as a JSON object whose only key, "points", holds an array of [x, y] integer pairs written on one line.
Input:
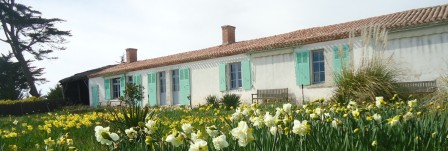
{"points": [[184, 85], [107, 89], [95, 98], [246, 73], [303, 68], [122, 85], [137, 79], [346, 56], [152, 89], [337, 65], [222, 77], [341, 59]]}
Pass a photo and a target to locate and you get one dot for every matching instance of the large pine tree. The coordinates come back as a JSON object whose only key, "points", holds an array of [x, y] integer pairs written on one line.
{"points": [[26, 31]]}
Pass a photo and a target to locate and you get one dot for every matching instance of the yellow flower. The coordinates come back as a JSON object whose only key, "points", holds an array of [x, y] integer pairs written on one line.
{"points": [[13, 147], [374, 143], [49, 141], [356, 130]]}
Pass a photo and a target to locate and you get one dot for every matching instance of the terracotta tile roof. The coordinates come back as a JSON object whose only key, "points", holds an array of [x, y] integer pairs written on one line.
{"points": [[399, 20]]}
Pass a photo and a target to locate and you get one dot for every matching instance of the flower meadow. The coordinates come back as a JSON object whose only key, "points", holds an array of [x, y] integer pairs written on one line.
{"points": [[318, 125]]}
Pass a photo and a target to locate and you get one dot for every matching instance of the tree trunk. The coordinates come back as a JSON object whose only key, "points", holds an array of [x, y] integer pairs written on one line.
{"points": [[27, 73]]}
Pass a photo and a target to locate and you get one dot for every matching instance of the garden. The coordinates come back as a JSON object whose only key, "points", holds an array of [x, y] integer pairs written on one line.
{"points": [[393, 124]]}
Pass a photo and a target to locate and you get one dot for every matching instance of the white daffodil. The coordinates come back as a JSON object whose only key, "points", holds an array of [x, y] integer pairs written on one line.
{"points": [[377, 117], [335, 123], [150, 126], [15, 122], [318, 111], [103, 135], [212, 131], [198, 145], [412, 103], [408, 116], [394, 121], [287, 108], [187, 128], [269, 120], [301, 128], [243, 133], [131, 133], [273, 130], [379, 101], [257, 121], [176, 138], [220, 142]]}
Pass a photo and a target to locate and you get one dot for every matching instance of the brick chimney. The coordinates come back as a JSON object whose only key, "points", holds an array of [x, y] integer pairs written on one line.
{"points": [[131, 55], [228, 34]]}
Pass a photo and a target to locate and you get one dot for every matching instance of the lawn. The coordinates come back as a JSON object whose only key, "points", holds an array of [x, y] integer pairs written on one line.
{"points": [[319, 125]]}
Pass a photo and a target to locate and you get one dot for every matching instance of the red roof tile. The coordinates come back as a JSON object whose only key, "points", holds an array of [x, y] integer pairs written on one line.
{"points": [[399, 20]]}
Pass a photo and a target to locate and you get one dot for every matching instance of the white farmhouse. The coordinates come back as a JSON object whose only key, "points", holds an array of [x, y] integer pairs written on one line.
{"points": [[417, 41]]}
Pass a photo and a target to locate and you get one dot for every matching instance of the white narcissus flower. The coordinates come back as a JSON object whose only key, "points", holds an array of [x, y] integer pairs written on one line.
{"points": [[15, 122], [243, 133], [150, 126], [408, 116], [176, 139], [103, 135], [131, 133], [237, 115], [287, 108], [335, 123], [377, 117], [379, 101], [246, 111], [412, 103], [301, 128], [313, 116], [212, 131], [198, 145], [394, 121], [257, 121], [187, 128], [318, 111], [220, 142], [269, 120], [273, 130], [355, 113], [351, 104]]}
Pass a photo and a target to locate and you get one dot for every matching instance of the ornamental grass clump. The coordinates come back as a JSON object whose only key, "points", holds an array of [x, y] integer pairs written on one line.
{"points": [[231, 101]]}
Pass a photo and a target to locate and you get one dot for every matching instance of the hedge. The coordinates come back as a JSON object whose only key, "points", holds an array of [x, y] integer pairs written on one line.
{"points": [[27, 106]]}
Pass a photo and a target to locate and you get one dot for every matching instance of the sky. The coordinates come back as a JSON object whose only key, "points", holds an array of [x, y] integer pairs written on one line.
{"points": [[103, 29]]}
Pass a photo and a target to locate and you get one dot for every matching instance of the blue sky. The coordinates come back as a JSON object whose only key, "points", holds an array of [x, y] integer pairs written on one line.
{"points": [[103, 29]]}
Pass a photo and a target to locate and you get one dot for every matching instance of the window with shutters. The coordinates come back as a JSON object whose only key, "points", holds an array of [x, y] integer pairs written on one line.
{"points": [[318, 66], [235, 75], [115, 84], [130, 79]]}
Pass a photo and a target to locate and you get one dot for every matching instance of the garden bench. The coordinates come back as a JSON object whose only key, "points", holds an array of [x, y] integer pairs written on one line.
{"points": [[416, 87], [276, 94]]}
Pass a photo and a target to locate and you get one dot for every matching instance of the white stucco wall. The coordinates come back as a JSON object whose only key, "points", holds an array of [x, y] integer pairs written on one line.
{"points": [[421, 53]]}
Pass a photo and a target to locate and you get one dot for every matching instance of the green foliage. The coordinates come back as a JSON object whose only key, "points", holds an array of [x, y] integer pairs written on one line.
{"points": [[132, 110], [55, 93], [29, 99], [212, 100], [29, 34], [375, 77], [230, 100], [13, 80]]}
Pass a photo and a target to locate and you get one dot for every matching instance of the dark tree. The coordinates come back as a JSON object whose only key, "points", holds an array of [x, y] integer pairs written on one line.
{"points": [[13, 81], [27, 32]]}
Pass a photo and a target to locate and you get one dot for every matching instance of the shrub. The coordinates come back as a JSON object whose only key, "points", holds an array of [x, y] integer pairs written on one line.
{"points": [[212, 100], [230, 100], [373, 78], [133, 112], [29, 105], [55, 93]]}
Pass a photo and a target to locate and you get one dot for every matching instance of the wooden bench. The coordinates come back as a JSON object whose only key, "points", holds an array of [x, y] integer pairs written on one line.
{"points": [[416, 87], [276, 94]]}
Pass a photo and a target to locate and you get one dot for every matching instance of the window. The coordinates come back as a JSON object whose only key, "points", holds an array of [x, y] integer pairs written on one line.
{"points": [[235, 75], [130, 80], [318, 66], [162, 82], [175, 83], [115, 88]]}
